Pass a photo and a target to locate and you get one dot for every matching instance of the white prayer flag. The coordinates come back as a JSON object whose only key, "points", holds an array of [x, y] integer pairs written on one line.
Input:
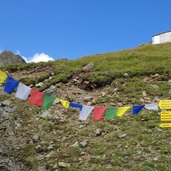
{"points": [[85, 112], [22, 91], [153, 106]]}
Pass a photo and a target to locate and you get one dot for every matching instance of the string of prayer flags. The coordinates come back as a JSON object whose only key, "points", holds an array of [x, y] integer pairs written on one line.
{"points": [[36, 98], [10, 85], [85, 112], [64, 103], [122, 110], [98, 112], [110, 113], [3, 77], [137, 109], [22, 91], [153, 106], [47, 101], [76, 105]]}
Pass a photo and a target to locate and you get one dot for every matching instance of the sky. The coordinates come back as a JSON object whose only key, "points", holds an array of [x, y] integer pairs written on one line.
{"points": [[42, 30]]}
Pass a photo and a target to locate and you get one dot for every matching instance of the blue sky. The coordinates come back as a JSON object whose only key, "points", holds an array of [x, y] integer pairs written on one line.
{"points": [[75, 28]]}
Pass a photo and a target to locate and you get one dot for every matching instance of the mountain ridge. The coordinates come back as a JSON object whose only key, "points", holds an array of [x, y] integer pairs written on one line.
{"points": [[9, 58]]}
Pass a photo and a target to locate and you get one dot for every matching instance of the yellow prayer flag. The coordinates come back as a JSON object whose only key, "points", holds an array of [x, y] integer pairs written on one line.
{"points": [[165, 116], [121, 110], [3, 76], [65, 103], [165, 104], [165, 125]]}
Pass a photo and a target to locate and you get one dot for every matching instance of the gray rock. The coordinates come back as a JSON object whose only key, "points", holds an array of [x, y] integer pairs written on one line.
{"points": [[120, 104], [50, 147], [169, 82], [155, 158], [51, 89], [142, 100], [87, 98], [156, 99], [144, 93], [126, 75], [17, 125], [46, 114], [126, 159], [38, 147], [170, 91], [8, 109], [1, 88], [76, 144], [6, 102], [98, 132], [63, 138], [63, 164], [139, 152], [88, 67], [122, 135], [40, 84], [103, 93], [31, 142], [156, 75], [55, 166], [4, 115], [83, 144], [154, 86], [82, 126], [35, 138]]}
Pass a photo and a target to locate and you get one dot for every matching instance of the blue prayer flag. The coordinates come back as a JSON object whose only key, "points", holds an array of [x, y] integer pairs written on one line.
{"points": [[10, 85], [76, 105], [137, 109]]}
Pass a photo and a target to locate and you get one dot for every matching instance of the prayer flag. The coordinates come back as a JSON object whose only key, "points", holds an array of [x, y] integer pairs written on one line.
{"points": [[85, 112], [64, 103], [3, 76], [36, 98], [121, 110], [153, 106], [47, 101], [137, 109], [76, 105], [165, 125], [110, 113], [165, 104], [10, 85], [98, 113], [22, 91]]}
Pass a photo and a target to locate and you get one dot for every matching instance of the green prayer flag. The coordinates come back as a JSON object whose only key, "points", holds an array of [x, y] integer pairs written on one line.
{"points": [[110, 113], [47, 102]]}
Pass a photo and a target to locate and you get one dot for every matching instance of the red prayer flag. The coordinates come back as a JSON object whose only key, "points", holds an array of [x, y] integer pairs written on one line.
{"points": [[36, 98], [98, 112]]}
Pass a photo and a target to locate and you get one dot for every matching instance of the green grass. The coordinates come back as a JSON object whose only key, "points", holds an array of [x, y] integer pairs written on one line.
{"points": [[141, 61], [145, 147]]}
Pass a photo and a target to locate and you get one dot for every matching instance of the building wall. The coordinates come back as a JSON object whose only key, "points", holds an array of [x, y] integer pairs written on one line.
{"points": [[161, 38]]}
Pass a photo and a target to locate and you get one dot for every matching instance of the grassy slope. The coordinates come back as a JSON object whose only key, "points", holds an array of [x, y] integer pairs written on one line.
{"points": [[141, 61], [145, 147]]}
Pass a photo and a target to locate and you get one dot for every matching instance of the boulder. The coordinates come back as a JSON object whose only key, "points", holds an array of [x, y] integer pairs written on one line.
{"points": [[88, 67]]}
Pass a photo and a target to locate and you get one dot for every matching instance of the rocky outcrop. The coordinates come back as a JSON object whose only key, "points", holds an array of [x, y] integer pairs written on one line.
{"points": [[8, 58]]}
